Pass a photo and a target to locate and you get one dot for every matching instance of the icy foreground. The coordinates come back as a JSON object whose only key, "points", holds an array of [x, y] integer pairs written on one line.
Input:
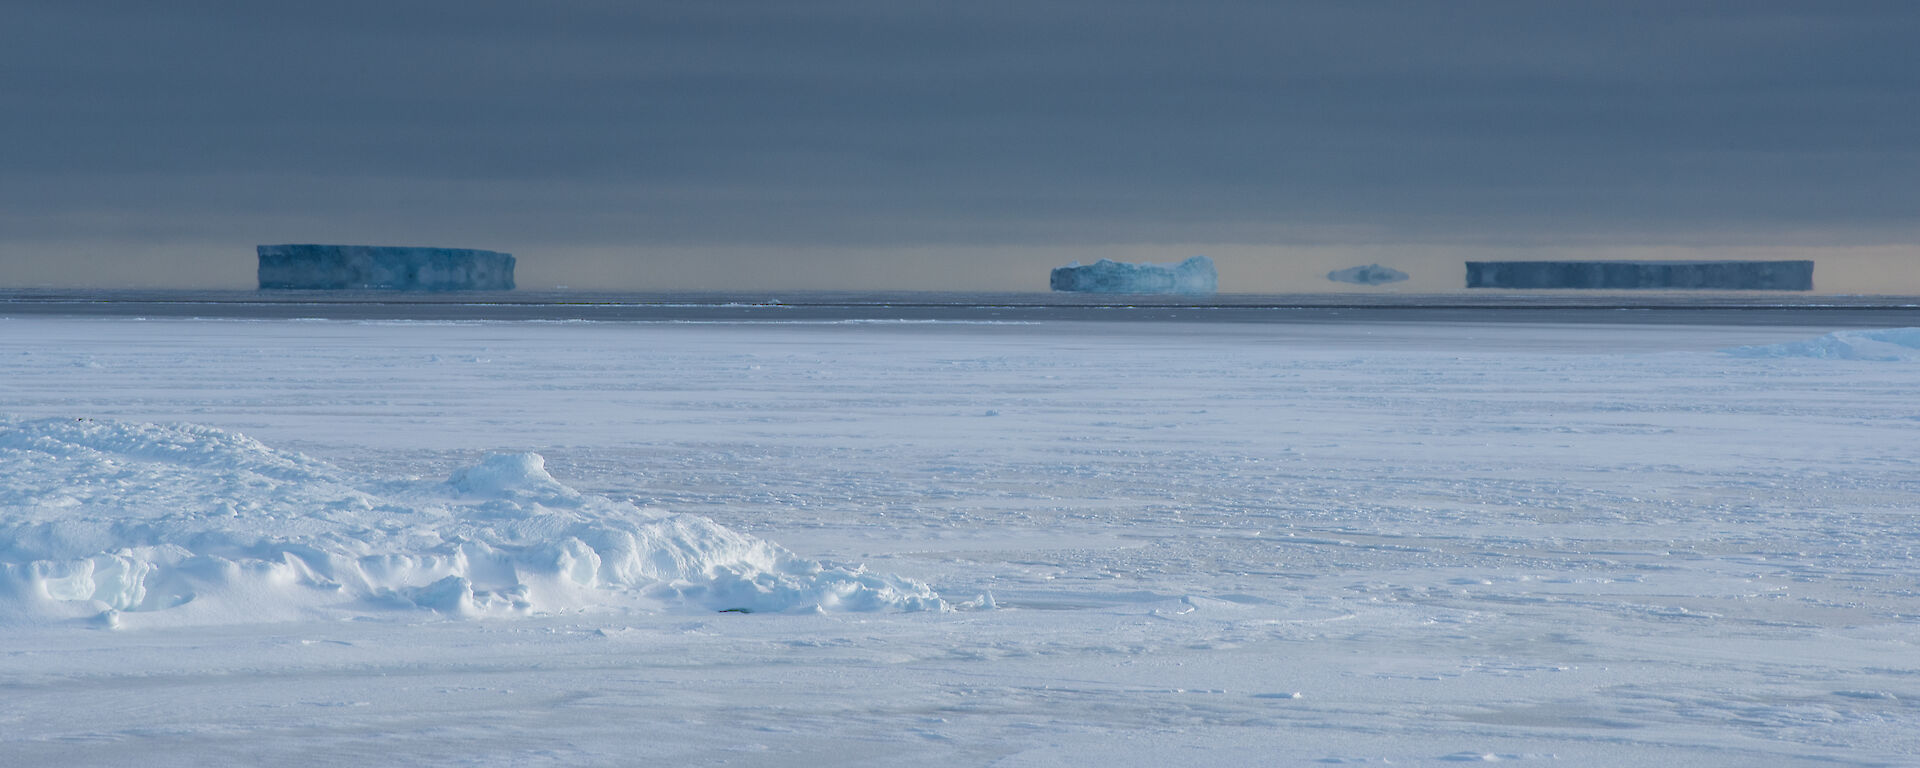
{"points": [[186, 524], [1193, 276], [1367, 543]]}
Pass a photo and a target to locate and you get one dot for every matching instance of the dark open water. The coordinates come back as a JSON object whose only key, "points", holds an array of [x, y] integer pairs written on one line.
{"points": [[821, 306]]}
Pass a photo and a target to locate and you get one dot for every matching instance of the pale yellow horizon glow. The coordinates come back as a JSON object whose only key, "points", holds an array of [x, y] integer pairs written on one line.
{"points": [[1244, 268]]}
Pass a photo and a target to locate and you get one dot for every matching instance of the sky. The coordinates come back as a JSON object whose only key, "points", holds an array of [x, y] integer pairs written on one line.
{"points": [[896, 144]]}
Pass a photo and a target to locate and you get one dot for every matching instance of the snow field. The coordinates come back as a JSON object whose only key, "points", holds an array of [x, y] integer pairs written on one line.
{"points": [[1207, 544]]}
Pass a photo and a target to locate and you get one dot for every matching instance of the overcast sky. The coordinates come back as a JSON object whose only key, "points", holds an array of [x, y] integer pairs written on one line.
{"points": [[952, 145]]}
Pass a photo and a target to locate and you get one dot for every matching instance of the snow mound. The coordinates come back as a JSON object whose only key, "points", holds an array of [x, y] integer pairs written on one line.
{"points": [[181, 524], [1886, 345]]}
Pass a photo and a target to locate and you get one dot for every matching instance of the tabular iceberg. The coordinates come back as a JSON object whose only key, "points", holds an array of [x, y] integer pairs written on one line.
{"points": [[1195, 275], [1697, 275], [388, 267], [1371, 274]]}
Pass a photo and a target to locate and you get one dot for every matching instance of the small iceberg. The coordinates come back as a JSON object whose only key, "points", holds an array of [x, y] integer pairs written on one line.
{"points": [[1371, 274], [1193, 276]]}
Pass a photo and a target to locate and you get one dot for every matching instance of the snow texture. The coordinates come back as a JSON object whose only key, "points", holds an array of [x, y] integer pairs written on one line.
{"points": [[104, 519], [385, 267], [1371, 274], [1623, 275], [1210, 543], [1193, 276], [1889, 344]]}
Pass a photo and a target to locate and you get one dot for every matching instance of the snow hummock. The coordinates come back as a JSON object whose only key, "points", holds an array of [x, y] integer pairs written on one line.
{"points": [[195, 525], [1887, 344], [1371, 274], [1195, 275]]}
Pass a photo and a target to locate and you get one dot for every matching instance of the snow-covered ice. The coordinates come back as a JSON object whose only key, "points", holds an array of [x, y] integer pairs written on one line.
{"points": [[1181, 543], [175, 524], [1196, 275]]}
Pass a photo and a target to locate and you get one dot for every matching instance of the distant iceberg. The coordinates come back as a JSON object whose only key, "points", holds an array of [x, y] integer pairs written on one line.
{"points": [[1793, 275], [1195, 275], [1887, 344], [1371, 274], [334, 267]]}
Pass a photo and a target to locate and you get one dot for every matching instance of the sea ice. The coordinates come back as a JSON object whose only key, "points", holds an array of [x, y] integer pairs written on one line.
{"points": [[1405, 543], [1195, 275], [1371, 274], [196, 525]]}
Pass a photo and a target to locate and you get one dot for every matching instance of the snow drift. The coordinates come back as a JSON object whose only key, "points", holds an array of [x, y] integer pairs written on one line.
{"points": [[1195, 275], [1885, 344], [189, 524]]}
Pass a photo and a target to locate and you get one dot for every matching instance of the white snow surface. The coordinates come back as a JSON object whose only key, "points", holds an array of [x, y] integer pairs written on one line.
{"points": [[104, 518], [1205, 544]]}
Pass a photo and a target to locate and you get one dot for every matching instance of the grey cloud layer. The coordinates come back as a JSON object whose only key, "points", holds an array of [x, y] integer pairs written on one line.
{"points": [[842, 122]]}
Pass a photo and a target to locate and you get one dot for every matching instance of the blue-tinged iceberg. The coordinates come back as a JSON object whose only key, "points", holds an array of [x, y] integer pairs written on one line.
{"points": [[388, 267], [1371, 274], [1195, 275], [1794, 275]]}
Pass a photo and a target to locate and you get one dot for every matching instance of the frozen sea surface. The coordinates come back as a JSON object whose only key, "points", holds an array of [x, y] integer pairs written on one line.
{"points": [[1204, 543]]}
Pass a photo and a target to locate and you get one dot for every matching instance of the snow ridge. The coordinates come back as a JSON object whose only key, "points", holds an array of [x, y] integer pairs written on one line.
{"points": [[1888, 344], [183, 524]]}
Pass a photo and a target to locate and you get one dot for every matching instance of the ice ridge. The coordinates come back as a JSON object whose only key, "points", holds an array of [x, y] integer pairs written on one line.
{"points": [[1887, 344], [182, 524]]}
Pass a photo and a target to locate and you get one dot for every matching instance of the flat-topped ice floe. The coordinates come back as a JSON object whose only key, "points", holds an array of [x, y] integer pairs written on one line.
{"points": [[1193, 276], [180, 524]]}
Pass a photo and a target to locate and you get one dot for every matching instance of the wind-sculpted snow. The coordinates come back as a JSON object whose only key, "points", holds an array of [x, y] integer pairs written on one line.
{"points": [[187, 524], [1885, 345], [1195, 275], [1386, 541]]}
